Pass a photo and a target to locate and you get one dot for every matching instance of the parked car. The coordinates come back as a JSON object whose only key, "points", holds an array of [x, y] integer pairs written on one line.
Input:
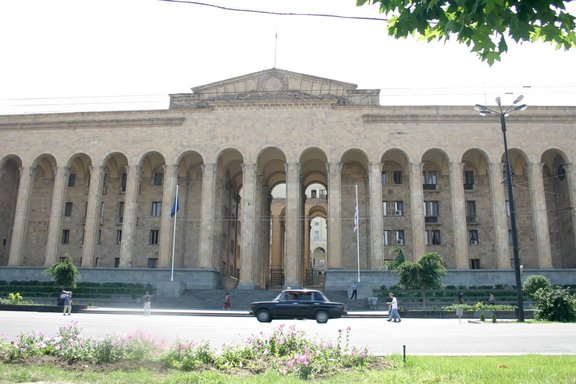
{"points": [[298, 304]]}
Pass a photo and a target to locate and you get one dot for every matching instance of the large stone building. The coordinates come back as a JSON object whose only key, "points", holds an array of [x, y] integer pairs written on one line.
{"points": [[100, 186]]}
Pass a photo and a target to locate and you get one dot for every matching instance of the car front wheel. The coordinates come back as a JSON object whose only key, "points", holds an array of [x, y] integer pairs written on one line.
{"points": [[263, 316], [322, 317]]}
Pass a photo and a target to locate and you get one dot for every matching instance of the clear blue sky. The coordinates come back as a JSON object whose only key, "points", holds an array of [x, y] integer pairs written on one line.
{"points": [[82, 55]]}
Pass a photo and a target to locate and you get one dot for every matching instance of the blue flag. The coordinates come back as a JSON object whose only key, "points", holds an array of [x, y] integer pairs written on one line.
{"points": [[175, 207]]}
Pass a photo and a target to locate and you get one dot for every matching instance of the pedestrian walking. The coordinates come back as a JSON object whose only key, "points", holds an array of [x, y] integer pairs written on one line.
{"points": [[68, 303], [393, 309], [354, 290], [491, 299], [227, 301], [460, 297], [147, 304]]}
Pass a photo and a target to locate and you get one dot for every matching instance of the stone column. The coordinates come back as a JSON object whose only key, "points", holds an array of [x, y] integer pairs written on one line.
{"points": [[459, 215], [166, 221], [257, 260], [293, 226], [56, 210], [21, 215], [417, 211], [207, 216], [248, 226], [376, 218], [92, 210], [499, 213], [130, 216], [540, 214], [571, 175], [334, 251]]}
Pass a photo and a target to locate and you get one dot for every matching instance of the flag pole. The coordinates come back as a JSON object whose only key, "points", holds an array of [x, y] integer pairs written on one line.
{"points": [[357, 214], [176, 202]]}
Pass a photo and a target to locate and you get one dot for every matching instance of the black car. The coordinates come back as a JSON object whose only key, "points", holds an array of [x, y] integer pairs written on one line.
{"points": [[298, 304]]}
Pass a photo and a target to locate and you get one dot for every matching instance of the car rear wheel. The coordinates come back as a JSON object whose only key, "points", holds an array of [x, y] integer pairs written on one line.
{"points": [[263, 316], [322, 317]]}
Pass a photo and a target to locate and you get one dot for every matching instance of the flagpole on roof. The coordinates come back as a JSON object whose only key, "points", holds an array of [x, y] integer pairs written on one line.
{"points": [[175, 210], [357, 228]]}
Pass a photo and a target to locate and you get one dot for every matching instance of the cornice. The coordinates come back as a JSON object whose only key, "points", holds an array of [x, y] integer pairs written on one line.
{"points": [[434, 118], [159, 122]]}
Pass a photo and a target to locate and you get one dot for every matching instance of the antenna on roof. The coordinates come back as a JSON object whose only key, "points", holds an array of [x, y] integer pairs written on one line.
{"points": [[275, 48]]}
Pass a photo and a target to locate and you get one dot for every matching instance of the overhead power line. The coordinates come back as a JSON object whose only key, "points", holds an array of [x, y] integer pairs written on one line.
{"points": [[274, 12]]}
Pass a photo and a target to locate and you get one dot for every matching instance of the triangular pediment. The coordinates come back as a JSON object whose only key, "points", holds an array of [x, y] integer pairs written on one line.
{"points": [[270, 86]]}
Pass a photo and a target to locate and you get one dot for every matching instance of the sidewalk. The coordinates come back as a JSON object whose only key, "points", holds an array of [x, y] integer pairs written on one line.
{"points": [[209, 312]]}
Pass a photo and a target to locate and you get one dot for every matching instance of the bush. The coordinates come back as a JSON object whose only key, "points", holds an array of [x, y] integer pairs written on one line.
{"points": [[534, 283], [554, 304]]}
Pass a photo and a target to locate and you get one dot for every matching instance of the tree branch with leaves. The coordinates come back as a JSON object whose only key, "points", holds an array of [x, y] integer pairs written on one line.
{"points": [[484, 25]]}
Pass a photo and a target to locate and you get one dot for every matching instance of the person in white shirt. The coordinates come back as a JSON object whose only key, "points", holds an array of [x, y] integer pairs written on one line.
{"points": [[393, 309]]}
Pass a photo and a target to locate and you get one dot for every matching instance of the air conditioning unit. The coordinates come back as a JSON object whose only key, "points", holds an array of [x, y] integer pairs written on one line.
{"points": [[399, 242], [474, 242], [398, 213]]}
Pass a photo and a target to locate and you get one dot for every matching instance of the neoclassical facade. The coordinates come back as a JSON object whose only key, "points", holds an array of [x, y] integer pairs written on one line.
{"points": [[100, 186]]}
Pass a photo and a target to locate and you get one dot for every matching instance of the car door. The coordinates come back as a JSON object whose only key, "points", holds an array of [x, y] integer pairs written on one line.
{"points": [[287, 306]]}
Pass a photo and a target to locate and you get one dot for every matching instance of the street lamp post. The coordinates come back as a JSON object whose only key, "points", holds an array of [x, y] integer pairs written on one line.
{"points": [[485, 111]]}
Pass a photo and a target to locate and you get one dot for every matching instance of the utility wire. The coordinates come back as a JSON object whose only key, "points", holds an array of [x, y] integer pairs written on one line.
{"points": [[275, 13]]}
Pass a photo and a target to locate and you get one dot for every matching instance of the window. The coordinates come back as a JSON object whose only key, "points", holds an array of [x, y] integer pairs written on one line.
{"points": [[152, 263], [397, 177], [156, 208], [561, 172], [470, 211], [82, 236], [66, 236], [154, 235], [388, 237], [384, 178], [101, 215], [72, 180], [316, 235], [474, 263], [158, 176], [430, 179], [432, 210], [68, 209], [510, 242], [123, 182], [433, 237], [399, 208], [313, 193], [468, 180], [118, 236], [385, 208], [121, 212], [507, 208], [473, 237], [99, 239], [116, 262], [399, 237]]}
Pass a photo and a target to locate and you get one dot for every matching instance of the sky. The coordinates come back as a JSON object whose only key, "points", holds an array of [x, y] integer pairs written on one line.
{"points": [[97, 55]]}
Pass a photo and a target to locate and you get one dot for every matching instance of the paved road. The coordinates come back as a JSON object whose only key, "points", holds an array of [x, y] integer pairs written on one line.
{"points": [[420, 336]]}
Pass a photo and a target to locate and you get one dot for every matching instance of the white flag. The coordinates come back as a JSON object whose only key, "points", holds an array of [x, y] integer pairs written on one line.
{"points": [[356, 218]]}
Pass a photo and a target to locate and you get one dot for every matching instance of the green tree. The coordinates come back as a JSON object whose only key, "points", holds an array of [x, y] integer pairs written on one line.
{"points": [[555, 304], [426, 273], [484, 25], [64, 273], [398, 260], [533, 283]]}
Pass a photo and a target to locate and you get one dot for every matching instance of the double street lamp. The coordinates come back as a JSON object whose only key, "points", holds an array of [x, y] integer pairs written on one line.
{"points": [[503, 114]]}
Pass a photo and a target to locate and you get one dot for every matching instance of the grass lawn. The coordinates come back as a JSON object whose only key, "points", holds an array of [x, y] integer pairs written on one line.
{"points": [[418, 369]]}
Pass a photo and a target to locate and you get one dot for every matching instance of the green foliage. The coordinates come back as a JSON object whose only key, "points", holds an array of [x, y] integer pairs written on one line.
{"points": [[479, 306], [398, 260], [485, 26], [64, 273], [426, 273], [482, 317], [555, 304], [534, 283], [14, 298], [493, 317], [286, 351]]}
